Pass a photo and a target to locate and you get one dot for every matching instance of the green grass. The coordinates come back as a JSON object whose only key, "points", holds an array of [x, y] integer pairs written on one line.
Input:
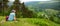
{"points": [[29, 22]]}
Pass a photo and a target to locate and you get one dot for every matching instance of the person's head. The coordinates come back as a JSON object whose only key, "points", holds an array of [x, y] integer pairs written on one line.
{"points": [[13, 11]]}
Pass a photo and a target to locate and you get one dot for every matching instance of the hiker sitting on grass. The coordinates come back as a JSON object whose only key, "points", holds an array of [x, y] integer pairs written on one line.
{"points": [[12, 16]]}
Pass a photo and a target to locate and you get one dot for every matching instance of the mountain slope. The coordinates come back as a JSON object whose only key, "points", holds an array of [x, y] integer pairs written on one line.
{"points": [[39, 5], [29, 22]]}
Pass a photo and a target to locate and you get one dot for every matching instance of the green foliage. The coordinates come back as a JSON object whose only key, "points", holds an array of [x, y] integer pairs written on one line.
{"points": [[35, 14], [29, 22], [56, 20], [41, 22], [51, 11], [40, 14], [17, 6]]}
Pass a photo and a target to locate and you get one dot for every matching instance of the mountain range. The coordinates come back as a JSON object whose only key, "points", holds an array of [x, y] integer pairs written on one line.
{"points": [[38, 5], [41, 5]]}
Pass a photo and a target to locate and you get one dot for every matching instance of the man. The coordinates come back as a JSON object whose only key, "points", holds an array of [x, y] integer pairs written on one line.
{"points": [[12, 16]]}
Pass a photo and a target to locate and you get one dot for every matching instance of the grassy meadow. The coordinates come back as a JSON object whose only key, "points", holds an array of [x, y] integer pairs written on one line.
{"points": [[28, 22]]}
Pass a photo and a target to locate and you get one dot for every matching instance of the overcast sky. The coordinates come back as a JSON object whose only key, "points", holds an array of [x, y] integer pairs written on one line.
{"points": [[34, 0], [30, 0], [10, 3]]}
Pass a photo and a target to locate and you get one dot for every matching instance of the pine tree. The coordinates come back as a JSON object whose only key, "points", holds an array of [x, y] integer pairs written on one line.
{"points": [[5, 6], [17, 5], [20, 7], [0, 6], [26, 12]]}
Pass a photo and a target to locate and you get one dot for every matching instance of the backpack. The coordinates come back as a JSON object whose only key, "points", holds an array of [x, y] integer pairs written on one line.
{"points": [[7, 18]]}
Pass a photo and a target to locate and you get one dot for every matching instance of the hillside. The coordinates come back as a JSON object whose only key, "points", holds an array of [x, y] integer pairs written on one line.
{"points": [[29, 22], [34, 13], [41, 5]]}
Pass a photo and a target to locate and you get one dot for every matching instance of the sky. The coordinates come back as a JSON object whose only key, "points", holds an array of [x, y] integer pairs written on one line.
{"points": [[21, 1], [30, 0]]}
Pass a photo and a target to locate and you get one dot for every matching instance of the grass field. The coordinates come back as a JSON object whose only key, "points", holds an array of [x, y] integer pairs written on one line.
{"points": [[28, 22]]}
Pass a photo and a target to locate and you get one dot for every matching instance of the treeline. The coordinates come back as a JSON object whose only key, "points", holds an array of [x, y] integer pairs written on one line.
{"points": [[21, 10]]}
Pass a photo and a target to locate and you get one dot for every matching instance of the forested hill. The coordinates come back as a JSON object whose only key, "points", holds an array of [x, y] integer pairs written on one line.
{"points": [[38, 5]]}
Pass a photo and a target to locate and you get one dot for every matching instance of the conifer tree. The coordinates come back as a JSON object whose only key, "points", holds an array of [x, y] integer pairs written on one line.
{"points": [[0, 6], [5, 6], [26, 12], [17, 8]]}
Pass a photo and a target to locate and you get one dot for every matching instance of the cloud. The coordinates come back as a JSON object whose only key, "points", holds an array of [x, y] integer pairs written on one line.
{"points": [[33, 0], [11, 0]]}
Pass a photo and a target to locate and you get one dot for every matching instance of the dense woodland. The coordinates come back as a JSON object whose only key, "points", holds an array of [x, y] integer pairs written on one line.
{"points": [[19, 7]]}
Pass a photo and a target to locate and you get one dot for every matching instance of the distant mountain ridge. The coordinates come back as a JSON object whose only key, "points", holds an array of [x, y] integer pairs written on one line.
{"points": [[44, 4], [38, 5]]}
